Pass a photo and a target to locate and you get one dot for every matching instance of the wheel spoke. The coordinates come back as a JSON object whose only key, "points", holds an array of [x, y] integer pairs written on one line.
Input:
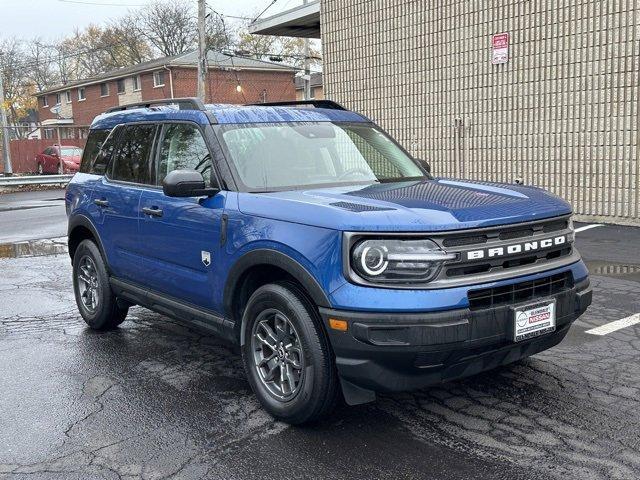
{"points": [[270, 375], [265, 361], [265, 341], [295, 363], [281, 325], [290, 378]]}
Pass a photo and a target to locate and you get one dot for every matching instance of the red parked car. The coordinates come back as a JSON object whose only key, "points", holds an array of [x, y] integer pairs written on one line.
{"points": [[59, 159]]}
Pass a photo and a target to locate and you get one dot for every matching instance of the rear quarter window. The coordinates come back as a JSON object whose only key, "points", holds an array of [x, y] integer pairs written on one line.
{"points": [[92, 148]]}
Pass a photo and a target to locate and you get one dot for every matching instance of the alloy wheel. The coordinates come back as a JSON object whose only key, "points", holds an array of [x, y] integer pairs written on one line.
{"points": [[88, 286], [277, 354]]}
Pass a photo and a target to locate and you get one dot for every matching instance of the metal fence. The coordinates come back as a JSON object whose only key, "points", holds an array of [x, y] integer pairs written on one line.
{"points": [[28, 141], [18, 181]]}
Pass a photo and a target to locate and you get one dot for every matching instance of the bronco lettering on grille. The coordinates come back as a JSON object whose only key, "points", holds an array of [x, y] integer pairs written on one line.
{"points": [[516, 248]]}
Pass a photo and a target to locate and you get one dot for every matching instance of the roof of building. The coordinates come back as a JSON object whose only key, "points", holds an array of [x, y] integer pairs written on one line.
{"points": [[215, 60], [316, 80], [227, 114]]}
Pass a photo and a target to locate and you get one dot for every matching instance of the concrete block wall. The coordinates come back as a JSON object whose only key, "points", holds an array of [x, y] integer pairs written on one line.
{"points": [[562, 114]]}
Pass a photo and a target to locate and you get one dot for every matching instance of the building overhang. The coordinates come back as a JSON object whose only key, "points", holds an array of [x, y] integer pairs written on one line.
{"points": [[302, 21], [57, 122]]}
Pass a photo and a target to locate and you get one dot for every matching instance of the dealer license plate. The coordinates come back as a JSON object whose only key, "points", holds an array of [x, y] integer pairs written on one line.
{"points": [[533, 320]]}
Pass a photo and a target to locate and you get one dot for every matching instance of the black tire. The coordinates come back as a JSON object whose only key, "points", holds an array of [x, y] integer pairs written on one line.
{"points": [[60, 169], [40, 169], [318, 387], [106, 314]]}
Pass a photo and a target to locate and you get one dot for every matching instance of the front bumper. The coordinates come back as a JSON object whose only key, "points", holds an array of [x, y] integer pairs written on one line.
{"points": [[406, 351]]}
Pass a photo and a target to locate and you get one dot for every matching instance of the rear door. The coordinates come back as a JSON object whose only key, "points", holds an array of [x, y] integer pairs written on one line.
{"points": [[182, 235], [116, 199]]}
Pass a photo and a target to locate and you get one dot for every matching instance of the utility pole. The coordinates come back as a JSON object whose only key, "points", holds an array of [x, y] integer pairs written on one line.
{"points": [[202, 51], [307, 67], [4, 130]]}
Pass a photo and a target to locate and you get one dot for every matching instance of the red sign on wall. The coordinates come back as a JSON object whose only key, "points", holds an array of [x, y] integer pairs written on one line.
{"points": [[500, 50]]}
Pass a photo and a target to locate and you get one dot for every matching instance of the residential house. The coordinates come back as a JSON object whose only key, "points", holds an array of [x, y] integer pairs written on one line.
{"points": [[316, 88], [67, 110]]}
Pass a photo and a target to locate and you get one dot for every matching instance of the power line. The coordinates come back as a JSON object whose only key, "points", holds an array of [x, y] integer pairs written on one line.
{"points": [[262, 12], [226, 35]]}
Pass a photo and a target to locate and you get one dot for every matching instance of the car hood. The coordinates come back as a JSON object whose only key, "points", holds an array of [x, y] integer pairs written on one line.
{"points": [[427, 205]]}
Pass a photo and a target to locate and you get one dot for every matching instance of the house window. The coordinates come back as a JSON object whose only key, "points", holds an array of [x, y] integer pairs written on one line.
{"points": [[57, 99], [67, 95], [158, 78], [104, 89], [48, 133], [120, 84], [136, 83], [81, 94], [45, 101]]}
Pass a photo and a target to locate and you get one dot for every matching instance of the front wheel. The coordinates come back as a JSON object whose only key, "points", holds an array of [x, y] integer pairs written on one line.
{"points": [[96, 302], [40, 169], [60, 169], [287, 356]]}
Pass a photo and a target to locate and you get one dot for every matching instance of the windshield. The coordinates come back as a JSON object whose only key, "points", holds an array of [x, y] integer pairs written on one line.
{"points": [[281, 156], [70, 152]]}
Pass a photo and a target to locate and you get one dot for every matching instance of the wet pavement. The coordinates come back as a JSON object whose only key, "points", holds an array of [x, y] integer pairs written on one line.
{"points": [[32, 215], [156, 399]]}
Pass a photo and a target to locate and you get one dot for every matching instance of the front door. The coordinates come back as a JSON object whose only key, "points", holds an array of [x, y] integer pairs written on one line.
{"points": [[181, 236]]}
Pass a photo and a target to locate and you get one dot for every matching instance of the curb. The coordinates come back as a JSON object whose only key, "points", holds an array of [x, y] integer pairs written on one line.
{"points": [[34, 248]]}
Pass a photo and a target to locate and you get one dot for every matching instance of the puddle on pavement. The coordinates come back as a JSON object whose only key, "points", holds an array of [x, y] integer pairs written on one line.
{"points": [[612, 269]]}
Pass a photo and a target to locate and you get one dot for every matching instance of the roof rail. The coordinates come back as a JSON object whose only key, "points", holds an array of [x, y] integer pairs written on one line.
{"points": [[330, 104], [187, 103]]}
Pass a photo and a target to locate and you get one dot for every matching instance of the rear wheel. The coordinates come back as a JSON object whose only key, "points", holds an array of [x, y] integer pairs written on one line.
{"points": [[96, 302], [287, 356]]}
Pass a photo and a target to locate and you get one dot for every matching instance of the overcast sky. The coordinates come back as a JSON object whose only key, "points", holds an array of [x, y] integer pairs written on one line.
{"points": [[53, 19]]}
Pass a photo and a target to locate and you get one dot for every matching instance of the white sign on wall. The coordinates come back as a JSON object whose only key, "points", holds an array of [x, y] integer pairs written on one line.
{"points": [[500, 48]]}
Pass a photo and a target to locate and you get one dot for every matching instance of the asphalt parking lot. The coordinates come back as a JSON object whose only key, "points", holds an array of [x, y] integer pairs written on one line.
{"points": [[158, 400]]}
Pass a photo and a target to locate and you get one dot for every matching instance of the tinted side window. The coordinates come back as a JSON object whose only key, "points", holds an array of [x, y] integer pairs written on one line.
{"points": [[94, 144], [184, 147], [131, 158]]}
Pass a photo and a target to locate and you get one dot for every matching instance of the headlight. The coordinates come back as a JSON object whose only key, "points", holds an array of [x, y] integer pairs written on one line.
{"points": [[397, 261]]}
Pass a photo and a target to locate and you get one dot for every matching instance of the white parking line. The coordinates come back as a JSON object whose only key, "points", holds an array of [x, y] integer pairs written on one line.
{"points": [[588, 227], [617, 325]]}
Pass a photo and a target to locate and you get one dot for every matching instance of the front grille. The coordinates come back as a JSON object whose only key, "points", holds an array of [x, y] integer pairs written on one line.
{"points": [[502, 237], [519, 292], [505, 264]]}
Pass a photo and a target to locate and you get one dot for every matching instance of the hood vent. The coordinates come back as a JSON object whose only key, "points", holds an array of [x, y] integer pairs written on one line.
{"points": [[358, 208]]}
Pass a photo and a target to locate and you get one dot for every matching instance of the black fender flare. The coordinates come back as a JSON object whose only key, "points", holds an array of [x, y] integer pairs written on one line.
{"points": [[80, 220], [270, 257]]}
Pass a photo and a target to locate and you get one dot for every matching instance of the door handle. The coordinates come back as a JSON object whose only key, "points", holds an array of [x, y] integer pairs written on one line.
{"points": [[101, 203], [154, 212]]}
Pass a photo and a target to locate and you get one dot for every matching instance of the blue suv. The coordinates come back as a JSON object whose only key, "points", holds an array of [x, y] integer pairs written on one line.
{"points": [[303, 233]]}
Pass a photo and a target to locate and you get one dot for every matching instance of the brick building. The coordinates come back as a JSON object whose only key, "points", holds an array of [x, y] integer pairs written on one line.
{"points": [[562, 111], [229, 80]]}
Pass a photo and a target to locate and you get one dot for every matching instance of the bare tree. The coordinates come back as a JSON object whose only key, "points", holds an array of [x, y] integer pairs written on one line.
{"points": [[42, 66], [127, 45], [170, 27], [18, 89]]}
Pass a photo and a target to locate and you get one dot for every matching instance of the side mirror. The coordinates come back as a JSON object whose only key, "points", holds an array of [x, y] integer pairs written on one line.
{"points": [[186, 183], [425, 165]]}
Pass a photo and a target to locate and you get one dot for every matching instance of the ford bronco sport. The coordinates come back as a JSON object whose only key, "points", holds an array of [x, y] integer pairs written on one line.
{"points": [[307, 236]]}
